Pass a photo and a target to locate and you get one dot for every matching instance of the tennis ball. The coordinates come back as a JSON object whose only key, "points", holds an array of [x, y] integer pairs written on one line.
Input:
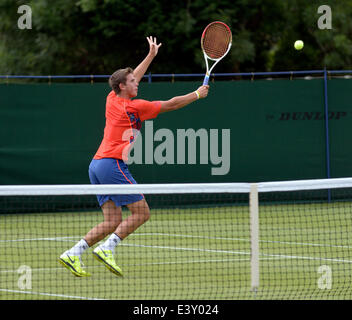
{"points": [[299, 44]]}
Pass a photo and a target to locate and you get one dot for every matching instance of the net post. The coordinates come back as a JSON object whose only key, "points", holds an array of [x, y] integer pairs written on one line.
{"points": [[254, 229], [327, 142]]}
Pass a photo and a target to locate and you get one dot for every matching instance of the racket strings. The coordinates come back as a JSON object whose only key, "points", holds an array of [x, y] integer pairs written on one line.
{"points": [[216, 40]]}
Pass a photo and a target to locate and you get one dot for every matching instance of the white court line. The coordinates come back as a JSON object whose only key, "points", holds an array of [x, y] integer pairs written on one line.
{"points": [[68, 239], [263, 256], [246, 240], [49, 294], [186, 249], [188, 236], [139, 264], [276, 256]]}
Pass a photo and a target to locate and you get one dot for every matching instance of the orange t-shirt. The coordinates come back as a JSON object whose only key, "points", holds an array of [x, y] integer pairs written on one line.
{"points": [[124, 119]]}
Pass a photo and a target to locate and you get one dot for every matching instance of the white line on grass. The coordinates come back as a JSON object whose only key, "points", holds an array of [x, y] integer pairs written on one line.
{"points": [[275, 256], [245, 240], [49, 294], [69, 239], [138, 265], [186, 249], [278, 256]]}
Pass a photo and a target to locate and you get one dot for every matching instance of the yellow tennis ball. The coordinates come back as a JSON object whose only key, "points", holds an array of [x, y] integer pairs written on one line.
{"points": [[299, 45]]}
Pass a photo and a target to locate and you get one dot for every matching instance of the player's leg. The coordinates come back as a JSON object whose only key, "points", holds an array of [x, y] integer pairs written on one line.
{"points": [[140, 213], [71, 258], [112, 218], [105, 253]]}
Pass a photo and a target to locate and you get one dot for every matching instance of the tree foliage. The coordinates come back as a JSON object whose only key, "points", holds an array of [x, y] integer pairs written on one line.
{"points": [[99, 36]]}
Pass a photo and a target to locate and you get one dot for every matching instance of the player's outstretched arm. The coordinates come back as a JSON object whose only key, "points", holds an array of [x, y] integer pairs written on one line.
{"points": [[181, 101], [140, 70]]}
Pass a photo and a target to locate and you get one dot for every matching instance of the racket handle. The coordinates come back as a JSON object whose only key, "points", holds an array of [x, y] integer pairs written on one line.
{"points": [[206, 80]]}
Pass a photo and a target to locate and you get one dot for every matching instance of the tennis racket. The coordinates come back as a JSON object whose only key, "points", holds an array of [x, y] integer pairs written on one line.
{"points": [[216, 42]]}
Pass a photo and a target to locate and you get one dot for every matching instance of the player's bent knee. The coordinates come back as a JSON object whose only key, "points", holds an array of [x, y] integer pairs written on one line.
{"points": [[146, 215], [143, 215], [145, 212], [140, 211]]}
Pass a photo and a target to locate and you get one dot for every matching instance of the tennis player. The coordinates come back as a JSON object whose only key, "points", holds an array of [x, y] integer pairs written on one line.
{"points": [[124, 118]]}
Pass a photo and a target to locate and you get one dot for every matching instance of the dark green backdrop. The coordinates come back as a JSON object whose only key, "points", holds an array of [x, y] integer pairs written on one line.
{"points": [[49, 133]]}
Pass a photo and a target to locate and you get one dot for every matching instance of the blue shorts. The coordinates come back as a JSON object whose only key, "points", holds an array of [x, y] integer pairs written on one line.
{"points": [[112, 171]]}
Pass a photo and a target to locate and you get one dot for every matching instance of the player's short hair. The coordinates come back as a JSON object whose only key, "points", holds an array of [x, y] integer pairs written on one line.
{"points": [[119, 76]]}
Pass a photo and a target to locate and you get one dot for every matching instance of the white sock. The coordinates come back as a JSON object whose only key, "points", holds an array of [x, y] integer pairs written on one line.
{"points": [[111, 242], [78, 248]]}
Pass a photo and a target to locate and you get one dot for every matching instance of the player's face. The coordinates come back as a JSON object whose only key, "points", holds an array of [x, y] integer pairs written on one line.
{"points": [[131, 86]]}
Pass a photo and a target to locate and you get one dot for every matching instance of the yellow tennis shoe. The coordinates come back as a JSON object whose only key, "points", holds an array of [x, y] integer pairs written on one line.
{"points": [[107, 258], [73, 263]]}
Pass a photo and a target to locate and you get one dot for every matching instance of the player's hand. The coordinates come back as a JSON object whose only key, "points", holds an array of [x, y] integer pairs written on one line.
{"points": [[203, 91], [153, 46]]}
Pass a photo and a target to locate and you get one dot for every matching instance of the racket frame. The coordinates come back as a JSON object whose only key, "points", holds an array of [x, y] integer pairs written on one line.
{"points": [[206, 57]]}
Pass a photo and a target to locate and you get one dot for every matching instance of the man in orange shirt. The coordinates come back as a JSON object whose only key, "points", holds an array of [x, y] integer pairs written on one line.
{"points": [[124, 118]]}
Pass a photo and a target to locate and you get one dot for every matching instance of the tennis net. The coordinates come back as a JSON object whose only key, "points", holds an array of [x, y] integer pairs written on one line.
{"points": [[270, 240]]}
